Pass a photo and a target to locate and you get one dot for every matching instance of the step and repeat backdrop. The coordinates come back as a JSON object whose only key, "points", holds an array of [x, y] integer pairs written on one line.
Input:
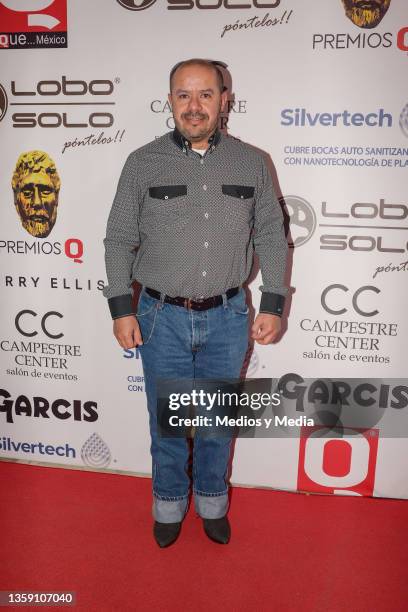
{"points": [[320, 87]]}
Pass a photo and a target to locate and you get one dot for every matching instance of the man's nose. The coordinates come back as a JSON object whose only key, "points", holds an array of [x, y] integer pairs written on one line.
{"points": [[195, 103], [37, 197]]}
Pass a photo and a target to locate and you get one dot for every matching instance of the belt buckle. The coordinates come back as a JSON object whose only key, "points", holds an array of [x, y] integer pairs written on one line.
{"points": [[187, 303]]}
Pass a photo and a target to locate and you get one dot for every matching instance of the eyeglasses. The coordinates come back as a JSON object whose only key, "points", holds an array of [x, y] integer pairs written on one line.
{"points": [[216, 63]]}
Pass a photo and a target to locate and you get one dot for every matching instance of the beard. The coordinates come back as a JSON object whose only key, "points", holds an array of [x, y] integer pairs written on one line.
{"points": [[366, 14], [197, 132], [40, 223], [38, 229]]}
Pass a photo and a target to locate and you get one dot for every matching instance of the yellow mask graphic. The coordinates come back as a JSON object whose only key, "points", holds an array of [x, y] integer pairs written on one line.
{"points": [[366, 14], [36, 186]]}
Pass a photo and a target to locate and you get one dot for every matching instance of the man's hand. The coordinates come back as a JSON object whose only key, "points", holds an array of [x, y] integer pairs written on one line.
{"points": [[127, 332], [266, 328]]}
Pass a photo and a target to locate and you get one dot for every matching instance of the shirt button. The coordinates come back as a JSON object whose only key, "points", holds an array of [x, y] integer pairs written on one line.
{"points": [[206, 215], [205, 187], [201, 161], [206, 244], [204, 273]]}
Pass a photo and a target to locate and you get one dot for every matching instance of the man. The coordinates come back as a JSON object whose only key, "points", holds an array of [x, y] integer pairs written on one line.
{"points": [[366, 13], [194, 203], [36, 186]]}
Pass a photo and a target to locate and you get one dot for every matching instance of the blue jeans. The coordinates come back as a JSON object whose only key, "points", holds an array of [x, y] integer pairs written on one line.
{"points": [[187, 344]]}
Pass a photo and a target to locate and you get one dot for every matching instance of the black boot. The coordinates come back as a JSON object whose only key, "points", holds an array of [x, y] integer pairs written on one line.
{"points": [[166, 533], [218, 530]]}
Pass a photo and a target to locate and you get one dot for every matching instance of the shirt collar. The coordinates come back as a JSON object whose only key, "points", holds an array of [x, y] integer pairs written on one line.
{"points": [[185, 144]]}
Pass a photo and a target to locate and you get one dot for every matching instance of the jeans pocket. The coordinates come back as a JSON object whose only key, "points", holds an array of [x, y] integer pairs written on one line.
{"points": [[237, 304], [147, 323], [146, 304], [147, 310]]}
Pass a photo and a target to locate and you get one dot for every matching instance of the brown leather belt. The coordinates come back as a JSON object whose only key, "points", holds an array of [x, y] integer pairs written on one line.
{"points": [[203, 304]]}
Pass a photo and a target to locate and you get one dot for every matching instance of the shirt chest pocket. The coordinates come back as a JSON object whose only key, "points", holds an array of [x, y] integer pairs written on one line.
{"points": [[165, 206], [238, 201], [167, 192]]}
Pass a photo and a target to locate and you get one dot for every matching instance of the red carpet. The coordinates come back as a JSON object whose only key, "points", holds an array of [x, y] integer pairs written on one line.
{"points": [[91, 533]]}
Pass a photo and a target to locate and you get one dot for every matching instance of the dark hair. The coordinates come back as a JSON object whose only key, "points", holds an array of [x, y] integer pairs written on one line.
{"points": [[213, 64]]}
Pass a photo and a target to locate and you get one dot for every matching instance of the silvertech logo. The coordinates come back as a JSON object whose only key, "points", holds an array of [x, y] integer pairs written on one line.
{"points": [[3, 102], [136, 5]]}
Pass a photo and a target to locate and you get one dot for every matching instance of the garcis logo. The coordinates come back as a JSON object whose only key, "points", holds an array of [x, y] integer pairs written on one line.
{"points": [[182, 5], [302, 220], [40, 407], [33, 24], [3, 102]]}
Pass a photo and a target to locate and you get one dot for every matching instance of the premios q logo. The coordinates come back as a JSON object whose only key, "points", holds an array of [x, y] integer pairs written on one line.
{"points": [[136, 5], [301, 218], [366, 13], [3, 102]]}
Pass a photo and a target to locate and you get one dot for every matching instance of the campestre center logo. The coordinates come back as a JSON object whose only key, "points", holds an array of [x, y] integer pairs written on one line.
{"points": [[33, 24]]}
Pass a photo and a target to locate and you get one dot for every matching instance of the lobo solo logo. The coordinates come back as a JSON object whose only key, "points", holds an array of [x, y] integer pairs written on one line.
{"points": [[337, 465], [182, 5], [79, 95], [363, 228], [33, 24]]}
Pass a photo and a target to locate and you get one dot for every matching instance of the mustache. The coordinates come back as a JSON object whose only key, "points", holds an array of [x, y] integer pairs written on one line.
{"points": [[195, 115], [39, 216]]}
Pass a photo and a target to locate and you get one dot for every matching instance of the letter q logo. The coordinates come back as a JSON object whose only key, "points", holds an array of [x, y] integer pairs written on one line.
{"points": [[337, 465], [32, 7]]}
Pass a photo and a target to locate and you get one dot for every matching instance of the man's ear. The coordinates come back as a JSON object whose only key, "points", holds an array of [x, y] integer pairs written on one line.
{"points": [[224, 100], [170, 101]]}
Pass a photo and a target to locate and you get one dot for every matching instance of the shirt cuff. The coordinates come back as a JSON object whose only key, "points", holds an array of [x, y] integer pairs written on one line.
{"points": [[121, 306], [272, 303]]}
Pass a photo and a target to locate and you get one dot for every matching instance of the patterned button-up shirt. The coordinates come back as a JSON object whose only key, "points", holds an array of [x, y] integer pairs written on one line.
{"points": [[187, 225]]}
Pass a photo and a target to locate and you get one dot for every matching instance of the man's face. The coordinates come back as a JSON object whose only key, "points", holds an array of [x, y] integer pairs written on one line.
{"points": [[36, 201], [366, 13], [197, 102]]}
